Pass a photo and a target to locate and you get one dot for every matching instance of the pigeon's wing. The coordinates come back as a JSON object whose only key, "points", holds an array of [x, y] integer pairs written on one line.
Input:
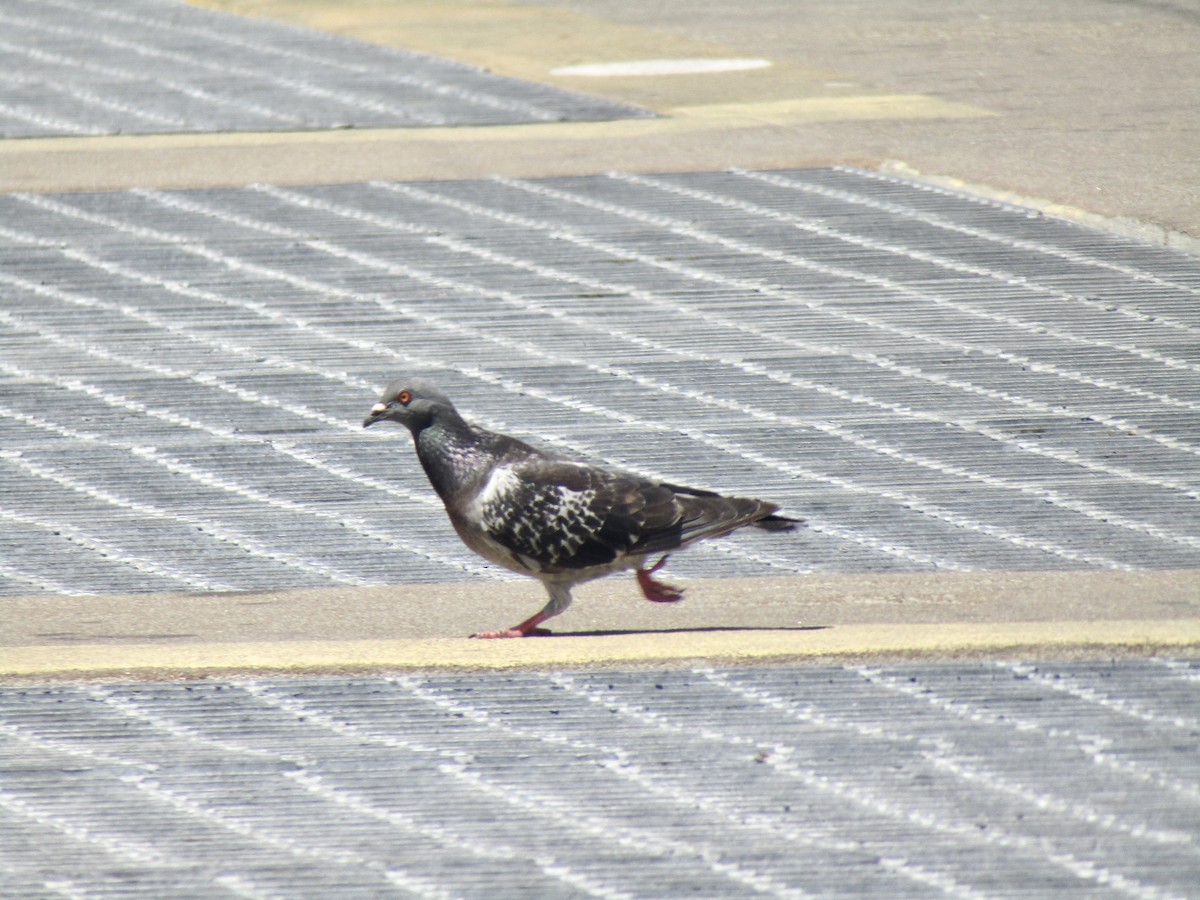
{"points": [[557, 515]]}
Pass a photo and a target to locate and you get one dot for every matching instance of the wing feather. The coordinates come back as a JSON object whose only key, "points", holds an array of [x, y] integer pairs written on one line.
{"points": [[560, 515]]}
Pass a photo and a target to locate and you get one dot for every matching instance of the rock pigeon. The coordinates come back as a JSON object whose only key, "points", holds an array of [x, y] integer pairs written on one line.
{"points": [[559, 520]]}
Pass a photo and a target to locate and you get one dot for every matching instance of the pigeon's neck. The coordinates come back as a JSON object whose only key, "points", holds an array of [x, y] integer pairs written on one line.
{"points": [[455, 455]]}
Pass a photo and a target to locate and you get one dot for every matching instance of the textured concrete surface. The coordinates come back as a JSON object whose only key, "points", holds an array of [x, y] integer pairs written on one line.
{"points": [[988, 416], [934, 615], [79, 67], [1091, 105], [933, 382], [864, 780]]}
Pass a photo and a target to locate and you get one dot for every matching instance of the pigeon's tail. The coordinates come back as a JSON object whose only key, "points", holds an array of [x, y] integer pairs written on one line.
{"points": [[777, 523], [743, 510]]}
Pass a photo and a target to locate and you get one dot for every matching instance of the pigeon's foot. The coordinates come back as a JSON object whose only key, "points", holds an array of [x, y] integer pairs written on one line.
{"points": [[512, 633], [526, 629], [655, 590]]}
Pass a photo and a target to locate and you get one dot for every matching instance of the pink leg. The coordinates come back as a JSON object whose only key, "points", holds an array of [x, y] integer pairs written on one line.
{"points": [[656, 590], [525, 629], [560, 599]]}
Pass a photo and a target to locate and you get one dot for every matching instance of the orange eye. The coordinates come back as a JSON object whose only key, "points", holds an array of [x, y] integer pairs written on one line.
{"points": [[405, 398]]}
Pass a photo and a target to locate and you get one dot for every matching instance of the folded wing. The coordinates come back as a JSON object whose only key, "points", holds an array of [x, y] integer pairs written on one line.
{"points": [[558, 515]]}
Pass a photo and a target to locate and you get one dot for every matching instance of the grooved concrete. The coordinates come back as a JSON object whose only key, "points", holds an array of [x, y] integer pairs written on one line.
{"points": [[969, 780], [81, 67], [934, 382], [940, 383]]}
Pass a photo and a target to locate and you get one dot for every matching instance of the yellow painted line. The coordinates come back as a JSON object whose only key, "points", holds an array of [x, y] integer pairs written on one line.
{"points": [[1125, 226], [547, 44], [743, 131], [808, 110], [679, 119], [510, 38], [938, 640]]}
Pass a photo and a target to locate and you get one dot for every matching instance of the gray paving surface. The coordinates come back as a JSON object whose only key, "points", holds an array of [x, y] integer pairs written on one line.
{"points": [[80, 67], [933, 381], [962, 780]]}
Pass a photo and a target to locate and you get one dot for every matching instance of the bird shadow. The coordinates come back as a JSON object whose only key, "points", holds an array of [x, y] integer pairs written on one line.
{"points": [[710, 629]]}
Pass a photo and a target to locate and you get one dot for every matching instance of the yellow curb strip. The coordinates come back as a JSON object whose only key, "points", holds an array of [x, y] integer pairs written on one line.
{"points": [[942, 640], [1122, 225], [679, 119], [808, 110]]}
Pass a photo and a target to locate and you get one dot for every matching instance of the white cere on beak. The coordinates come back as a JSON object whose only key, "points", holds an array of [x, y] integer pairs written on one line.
{"points": [[378, 408]]}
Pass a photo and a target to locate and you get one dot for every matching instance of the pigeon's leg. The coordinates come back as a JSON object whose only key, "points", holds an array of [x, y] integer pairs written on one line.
{"points": [[657, 590], [560, 599]]}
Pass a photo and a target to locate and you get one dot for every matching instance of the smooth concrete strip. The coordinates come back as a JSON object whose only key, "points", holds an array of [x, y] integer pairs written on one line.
{"points": [[926, 614], [1125, 226], [542, 44], [808, 110], [752, 134], [947, 640]]}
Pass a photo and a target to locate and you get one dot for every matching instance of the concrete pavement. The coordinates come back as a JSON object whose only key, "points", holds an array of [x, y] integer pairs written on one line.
{"points": [[233, 649], [951, 96], [727, 621], [1089, 110]]}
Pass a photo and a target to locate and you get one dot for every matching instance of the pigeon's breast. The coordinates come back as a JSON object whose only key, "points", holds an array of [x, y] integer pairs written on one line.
{"points": [[539, 525]]}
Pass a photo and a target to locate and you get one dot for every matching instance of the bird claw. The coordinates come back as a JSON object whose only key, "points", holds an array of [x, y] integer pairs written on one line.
{"points": [[655, 590], [511, 633]]}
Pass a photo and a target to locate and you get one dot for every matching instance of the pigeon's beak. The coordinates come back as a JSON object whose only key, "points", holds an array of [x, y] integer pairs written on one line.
{"points": [[378, 411]]}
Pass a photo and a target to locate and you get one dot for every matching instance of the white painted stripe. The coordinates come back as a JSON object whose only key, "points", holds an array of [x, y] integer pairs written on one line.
{"points": [[199, 94], [1074, 687], [123, 848], [778, 757], [1070, 457], [108, 551], [1178, 667], [208, 527], [944, 754], [1032, 327], [1096, 748], [207, 812], [308, 457], [937, 221], [298, 86], [768, 289], [305, 456], [619, 762], [408, 359], [90, 98], [50, 586], [458, 764], [53, 123], [375, 74], [655, 67], [1060, 252], [244, 492]]}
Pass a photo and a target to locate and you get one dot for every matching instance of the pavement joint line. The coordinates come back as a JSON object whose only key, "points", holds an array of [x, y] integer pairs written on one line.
{"points": [[180, 160], [1124, 226], [682, 118], [816, 642]]}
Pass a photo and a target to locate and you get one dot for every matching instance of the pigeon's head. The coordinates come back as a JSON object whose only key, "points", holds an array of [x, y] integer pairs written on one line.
{"points": [[410, 402]]}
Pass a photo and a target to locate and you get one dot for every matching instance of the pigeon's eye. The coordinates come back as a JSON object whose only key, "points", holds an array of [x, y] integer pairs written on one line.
{"points": [[405, 398]]}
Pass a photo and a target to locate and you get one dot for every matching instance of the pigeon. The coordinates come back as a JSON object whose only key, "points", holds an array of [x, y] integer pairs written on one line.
{"points": [[552, 517]]}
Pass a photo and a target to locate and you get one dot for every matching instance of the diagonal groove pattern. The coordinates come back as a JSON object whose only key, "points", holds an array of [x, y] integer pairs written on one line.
{"points": [[963, 780], [932, 381], [80, 67]]}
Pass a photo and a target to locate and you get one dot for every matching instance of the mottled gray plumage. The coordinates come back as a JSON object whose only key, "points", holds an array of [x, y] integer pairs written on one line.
{"points": [[552, 517]]}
